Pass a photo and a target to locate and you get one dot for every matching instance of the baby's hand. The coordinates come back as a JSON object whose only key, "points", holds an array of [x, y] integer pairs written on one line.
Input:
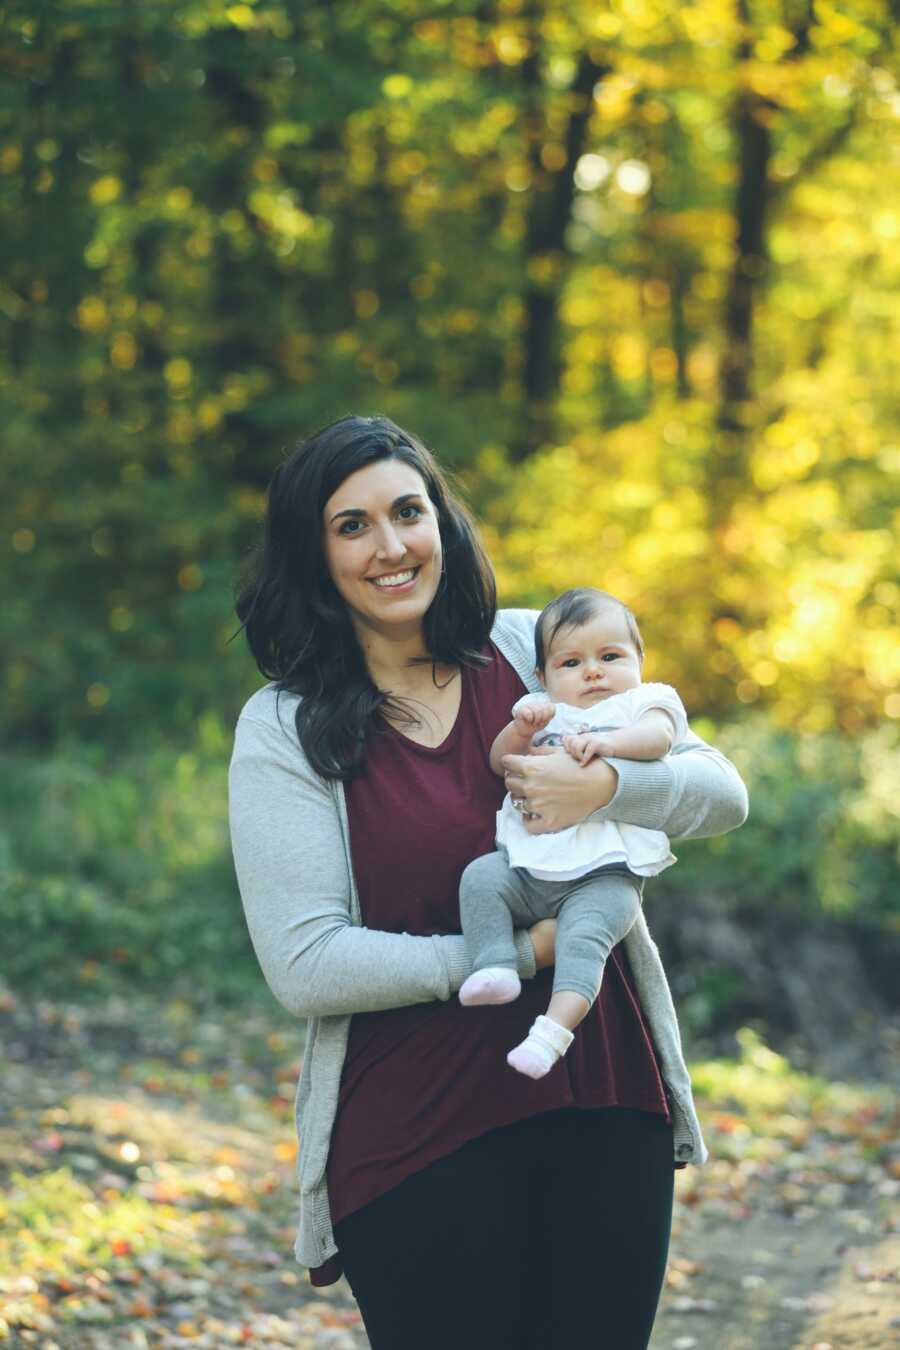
{"points": [[584, 747], [532, 713]]}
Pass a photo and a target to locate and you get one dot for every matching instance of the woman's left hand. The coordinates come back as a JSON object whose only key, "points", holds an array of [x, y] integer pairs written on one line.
{"points": [[557, 791]]}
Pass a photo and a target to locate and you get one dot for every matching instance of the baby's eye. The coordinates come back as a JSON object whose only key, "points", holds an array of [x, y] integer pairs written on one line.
{"points": [[610, 656], [570, 663]]}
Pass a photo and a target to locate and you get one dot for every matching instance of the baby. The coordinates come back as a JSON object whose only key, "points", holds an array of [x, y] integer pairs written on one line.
{"points": [[588, 877]]}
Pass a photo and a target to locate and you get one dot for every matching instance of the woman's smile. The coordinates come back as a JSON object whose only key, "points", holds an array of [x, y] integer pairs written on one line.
{"points": [[395, 581]]}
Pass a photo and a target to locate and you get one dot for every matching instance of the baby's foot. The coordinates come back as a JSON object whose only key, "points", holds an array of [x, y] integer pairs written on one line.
{"points": [[494, 984], [545, 1043]]}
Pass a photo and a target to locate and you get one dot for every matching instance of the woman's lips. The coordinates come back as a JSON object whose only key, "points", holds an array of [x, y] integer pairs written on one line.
{"points": [[401, 580]]}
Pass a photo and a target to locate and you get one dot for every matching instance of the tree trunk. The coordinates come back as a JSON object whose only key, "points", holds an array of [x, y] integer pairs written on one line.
{"points": [[552, 193], [679, 285], [754, 147]]}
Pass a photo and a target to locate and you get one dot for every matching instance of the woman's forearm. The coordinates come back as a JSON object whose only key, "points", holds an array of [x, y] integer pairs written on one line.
{"points": [[347, 969], [693, 793]]}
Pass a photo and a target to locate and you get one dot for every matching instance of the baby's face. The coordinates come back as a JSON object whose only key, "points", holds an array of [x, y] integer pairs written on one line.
{"points": [[592, 661]]}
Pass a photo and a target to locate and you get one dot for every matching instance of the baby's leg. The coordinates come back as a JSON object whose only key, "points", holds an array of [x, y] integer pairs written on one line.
{"points": [[490, 903], [595, 915]]}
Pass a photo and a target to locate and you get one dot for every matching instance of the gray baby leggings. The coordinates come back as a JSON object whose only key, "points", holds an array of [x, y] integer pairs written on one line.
{"points": [[592, 914]]}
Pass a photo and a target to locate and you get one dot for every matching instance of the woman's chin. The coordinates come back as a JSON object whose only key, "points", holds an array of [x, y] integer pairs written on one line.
{"points": [[395, 613]]}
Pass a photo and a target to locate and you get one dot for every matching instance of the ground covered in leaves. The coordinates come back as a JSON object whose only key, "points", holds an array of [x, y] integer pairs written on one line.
{"points": [[147, 1197]]}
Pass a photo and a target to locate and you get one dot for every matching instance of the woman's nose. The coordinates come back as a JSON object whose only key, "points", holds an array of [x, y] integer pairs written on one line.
{"points": [[389, 546]]}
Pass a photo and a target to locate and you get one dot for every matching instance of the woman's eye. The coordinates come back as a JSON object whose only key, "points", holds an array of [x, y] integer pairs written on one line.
{"points": [[413, 512], [350, 527]]}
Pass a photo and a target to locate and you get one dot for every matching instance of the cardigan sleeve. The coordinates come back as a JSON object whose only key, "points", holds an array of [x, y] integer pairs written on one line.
{"points": [[292, 870], [692, 793]]}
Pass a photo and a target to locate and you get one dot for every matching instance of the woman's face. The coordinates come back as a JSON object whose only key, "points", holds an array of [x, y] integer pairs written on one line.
{"points": [[383, 548]]}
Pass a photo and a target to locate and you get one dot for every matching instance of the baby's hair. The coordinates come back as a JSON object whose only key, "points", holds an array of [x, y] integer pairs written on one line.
{"points": [[573, 608]]}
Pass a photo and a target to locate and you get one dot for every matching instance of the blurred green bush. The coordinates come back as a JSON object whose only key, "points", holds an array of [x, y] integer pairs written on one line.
{"points": [[823, 834], [116, 871]]}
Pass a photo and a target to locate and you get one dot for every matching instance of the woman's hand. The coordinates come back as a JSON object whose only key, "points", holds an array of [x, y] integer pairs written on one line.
{"points": [[543, 940], [557, 791]]}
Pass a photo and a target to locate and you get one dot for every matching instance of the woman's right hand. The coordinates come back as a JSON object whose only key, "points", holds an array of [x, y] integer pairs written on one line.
{"points": [[543, 940], [556, 791]]}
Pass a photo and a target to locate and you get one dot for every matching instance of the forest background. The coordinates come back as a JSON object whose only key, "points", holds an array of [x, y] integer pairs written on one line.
{"points": [[631, 269]]}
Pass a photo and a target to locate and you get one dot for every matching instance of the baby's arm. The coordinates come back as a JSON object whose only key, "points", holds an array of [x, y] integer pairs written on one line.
{"points": [[531, 714], [650, 737]]}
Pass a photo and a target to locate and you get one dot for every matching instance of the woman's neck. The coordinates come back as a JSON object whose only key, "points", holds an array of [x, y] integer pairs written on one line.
{"points": [[424, 695], [398, 662]]}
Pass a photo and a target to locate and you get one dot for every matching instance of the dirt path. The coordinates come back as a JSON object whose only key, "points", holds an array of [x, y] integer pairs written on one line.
{"points": [[147, 1195], [770, 1282]]}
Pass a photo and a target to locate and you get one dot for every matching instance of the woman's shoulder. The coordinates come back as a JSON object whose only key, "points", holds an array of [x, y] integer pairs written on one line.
{"points": [[266, 733], [268, 718], [268, 705], [518, 622], [513, 634]]}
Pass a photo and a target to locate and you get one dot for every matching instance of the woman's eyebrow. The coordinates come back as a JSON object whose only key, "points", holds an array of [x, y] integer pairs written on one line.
{"points": [[358, 512]]}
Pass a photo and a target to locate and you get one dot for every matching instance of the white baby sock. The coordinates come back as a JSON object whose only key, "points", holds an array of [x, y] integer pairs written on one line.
{"points": [[545, 1043], [494, 984]]}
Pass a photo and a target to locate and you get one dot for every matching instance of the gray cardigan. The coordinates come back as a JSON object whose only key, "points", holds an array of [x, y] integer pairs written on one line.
{"points": [[290, 840]]}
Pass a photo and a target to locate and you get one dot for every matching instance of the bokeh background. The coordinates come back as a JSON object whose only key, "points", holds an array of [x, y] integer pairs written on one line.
{"points": [[632, 269]]}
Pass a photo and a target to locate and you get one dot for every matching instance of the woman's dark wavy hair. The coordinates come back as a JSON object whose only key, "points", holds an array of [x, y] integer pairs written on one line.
{"points": [[297, 625]]}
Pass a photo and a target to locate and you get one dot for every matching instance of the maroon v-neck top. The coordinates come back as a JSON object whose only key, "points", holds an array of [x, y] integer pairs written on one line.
{"points": [[420, 1081]]}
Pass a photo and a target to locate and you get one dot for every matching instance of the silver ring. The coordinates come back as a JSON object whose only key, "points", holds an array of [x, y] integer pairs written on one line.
{"points": [[519, 805]]}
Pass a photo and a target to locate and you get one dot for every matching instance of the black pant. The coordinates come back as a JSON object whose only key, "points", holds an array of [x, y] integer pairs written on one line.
{"points": [[549, 1233]]}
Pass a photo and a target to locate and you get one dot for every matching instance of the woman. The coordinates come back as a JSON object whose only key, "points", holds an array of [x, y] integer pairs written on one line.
{"points": [[465, 1207]]}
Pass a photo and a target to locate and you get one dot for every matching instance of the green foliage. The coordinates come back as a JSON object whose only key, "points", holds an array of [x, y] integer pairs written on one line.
{"points": [[823, 834], [611, 263], [119, 870], [524, 230]]}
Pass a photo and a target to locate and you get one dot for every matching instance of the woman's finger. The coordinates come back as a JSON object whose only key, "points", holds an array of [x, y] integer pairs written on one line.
{"points": [[514, 767], [514, 764]]}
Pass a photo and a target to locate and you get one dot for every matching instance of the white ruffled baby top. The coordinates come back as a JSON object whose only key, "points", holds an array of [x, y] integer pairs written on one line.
{"points": [[570, 853]]}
